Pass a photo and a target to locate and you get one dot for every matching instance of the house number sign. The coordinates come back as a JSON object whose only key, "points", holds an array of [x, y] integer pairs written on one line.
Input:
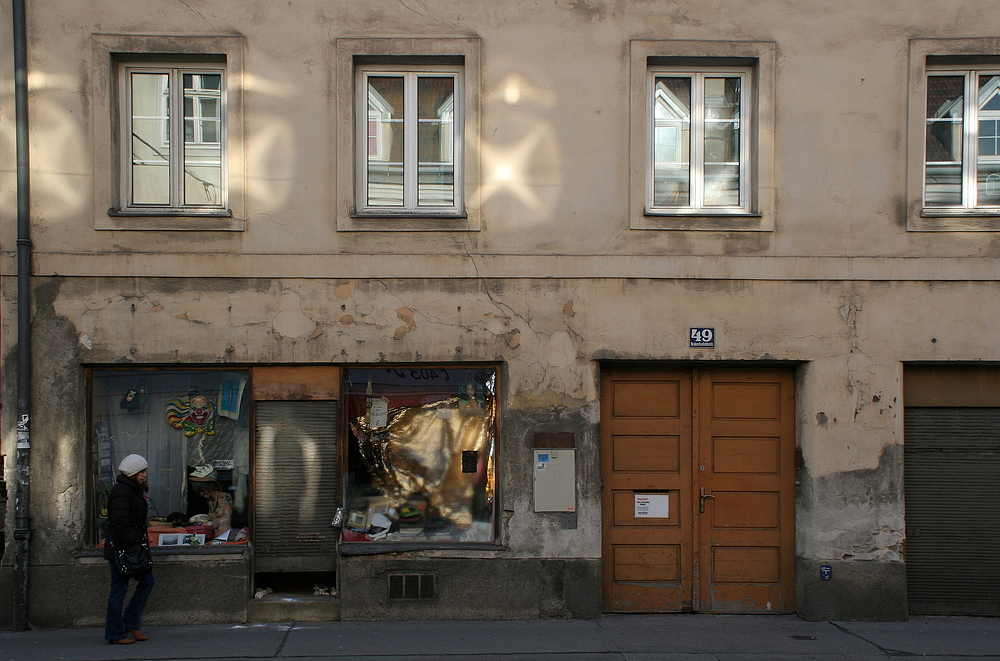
{"points": [[703, 337]]}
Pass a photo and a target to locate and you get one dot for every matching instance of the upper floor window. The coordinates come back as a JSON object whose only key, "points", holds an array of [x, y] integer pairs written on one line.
{"points": [[698, 136], [173, 139], [962, 145], [409, 138]]}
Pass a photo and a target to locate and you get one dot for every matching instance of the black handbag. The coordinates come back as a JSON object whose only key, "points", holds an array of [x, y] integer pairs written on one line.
{"points": [[134, 561]]}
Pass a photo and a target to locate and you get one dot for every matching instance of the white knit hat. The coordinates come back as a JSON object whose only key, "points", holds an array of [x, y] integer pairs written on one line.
{"points": [[132, 464]]}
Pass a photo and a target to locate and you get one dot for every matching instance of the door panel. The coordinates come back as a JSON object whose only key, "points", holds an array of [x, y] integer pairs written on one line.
{"points": [[647, 451], [727, 433]]}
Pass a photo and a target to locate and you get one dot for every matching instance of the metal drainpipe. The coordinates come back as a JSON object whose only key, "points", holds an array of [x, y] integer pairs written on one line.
{"points": [[22, 529]]}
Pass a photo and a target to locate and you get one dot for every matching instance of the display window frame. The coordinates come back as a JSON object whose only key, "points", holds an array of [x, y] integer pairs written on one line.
{"points": [[229, 478], [438, 409]]}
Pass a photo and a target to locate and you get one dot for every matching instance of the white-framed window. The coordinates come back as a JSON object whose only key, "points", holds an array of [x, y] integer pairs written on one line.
{"points": [[409, 136], [698, 141], [173, 139], [962, 139]]}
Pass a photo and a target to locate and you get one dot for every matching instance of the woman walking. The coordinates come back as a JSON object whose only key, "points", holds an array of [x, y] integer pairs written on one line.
{"points": [[127, 528]]}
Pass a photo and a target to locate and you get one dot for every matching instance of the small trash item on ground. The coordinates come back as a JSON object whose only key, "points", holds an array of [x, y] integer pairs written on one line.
{"points": [[262, 592], [321, 590]]}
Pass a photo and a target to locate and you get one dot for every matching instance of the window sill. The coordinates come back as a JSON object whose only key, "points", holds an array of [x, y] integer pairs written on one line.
{"points": [[374, 548], [169, 220], [184, 213], [955, 220], [206, 549], [959, 213], [701, 221], [382, 221]]}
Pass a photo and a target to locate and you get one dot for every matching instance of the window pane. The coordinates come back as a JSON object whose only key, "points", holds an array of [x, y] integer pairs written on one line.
{"points": [[943, 168], [150, 138], [435, 141], [192, 427], [385, 141], [722, 98], [988, 165], [672, 142], [722, 185], [420, 454], [202, 144]]}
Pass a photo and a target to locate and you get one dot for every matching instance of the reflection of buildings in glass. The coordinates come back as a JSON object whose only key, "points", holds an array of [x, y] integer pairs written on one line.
{"points": [[435, 146], [671, 141], [152, 156], [202, 138], [945, 144]]}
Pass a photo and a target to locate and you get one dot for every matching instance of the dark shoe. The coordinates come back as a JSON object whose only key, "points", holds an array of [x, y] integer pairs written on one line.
{"points": [[123, 641], [138, 635]]}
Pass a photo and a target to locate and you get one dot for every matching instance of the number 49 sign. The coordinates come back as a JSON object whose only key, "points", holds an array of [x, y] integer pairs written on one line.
{"points": [[703, 337]]}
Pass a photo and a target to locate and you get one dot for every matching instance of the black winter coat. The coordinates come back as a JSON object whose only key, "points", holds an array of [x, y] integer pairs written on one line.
{"points": [[126, 516]]}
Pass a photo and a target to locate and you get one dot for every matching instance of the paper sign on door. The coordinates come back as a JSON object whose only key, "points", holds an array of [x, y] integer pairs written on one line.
{"points": [[652, 506]]}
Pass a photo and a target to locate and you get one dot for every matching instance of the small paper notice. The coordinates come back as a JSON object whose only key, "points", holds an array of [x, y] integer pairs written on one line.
{"points": [[378, 413], [652, 506]]}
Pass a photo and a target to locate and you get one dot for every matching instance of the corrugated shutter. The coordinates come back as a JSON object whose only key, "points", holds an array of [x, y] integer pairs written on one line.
{"points": [[295, 485], [952, 487]]}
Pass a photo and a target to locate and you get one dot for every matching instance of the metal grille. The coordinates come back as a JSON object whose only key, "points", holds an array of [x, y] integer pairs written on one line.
{"points": [[412, 586], [295, 478], [952, 487]]}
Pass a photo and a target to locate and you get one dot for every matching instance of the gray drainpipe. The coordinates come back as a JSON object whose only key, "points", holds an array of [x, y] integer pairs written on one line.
{"points": [[22, 529]]}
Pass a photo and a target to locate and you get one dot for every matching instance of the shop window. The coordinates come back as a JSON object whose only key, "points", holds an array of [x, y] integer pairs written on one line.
{"points": [[192, 426], [421, 454]]}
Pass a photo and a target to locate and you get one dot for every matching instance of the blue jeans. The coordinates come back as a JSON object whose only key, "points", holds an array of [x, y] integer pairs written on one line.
{"points": [[117, 622]]}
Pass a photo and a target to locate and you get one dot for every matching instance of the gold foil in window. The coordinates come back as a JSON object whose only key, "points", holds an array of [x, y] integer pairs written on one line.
{"points": [[420, 452]]}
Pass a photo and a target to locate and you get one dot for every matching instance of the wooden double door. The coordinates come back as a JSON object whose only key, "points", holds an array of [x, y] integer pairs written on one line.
{"points": [[698, 490]]}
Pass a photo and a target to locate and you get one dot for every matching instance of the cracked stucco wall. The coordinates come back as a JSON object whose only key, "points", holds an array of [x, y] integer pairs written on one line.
{"points": [[849, 339]]}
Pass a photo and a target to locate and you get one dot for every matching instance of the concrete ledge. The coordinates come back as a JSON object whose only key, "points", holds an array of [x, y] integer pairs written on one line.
{"points": [[858, 591], [473, 588], [293, 608]]}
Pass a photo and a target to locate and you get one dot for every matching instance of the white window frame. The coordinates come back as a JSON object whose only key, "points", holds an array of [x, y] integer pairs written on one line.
{"points": [[931, 56], [176, 205], [970, 118], [759, 58], [410, 206], [697, 139]]}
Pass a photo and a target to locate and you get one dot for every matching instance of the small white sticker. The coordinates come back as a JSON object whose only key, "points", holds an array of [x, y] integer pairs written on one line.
{"points": [[444, 414]]}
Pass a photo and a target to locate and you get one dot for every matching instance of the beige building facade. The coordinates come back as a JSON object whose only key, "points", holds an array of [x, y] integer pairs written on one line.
{"points": [[559, 308]]}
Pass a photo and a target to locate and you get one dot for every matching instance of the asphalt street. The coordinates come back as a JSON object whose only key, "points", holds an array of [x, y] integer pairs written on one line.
{"points": [[610, 638]]}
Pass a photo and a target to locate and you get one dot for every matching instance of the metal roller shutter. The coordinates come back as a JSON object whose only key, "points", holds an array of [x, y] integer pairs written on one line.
{"points": [[952, 488], [295, 486]]}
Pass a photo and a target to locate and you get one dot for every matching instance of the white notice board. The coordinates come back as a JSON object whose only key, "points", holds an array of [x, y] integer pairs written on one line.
{"points": [[652, 506]]}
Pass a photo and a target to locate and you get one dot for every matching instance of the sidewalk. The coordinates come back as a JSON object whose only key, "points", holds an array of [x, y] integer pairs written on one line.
{"points": [[611, 638]]}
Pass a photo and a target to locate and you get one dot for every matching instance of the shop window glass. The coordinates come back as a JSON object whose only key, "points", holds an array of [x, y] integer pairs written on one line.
{"points": [[192, 426], [421, 454]]}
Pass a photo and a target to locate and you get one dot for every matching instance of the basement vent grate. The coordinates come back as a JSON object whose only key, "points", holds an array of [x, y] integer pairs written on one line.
{"points": [[412, 586]]}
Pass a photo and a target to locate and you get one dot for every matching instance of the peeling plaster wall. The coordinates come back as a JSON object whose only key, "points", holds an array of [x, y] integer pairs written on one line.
{"points": [[849, 338]]}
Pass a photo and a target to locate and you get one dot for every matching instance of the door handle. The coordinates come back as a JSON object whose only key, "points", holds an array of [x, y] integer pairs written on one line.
{"points": [[704, 495]]}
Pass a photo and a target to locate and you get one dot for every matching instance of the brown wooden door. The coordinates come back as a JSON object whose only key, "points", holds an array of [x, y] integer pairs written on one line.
{"points": [[698, 490]]}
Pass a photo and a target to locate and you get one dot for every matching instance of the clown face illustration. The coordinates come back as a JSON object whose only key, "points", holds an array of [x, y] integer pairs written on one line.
{"points": [[193, 412]]}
